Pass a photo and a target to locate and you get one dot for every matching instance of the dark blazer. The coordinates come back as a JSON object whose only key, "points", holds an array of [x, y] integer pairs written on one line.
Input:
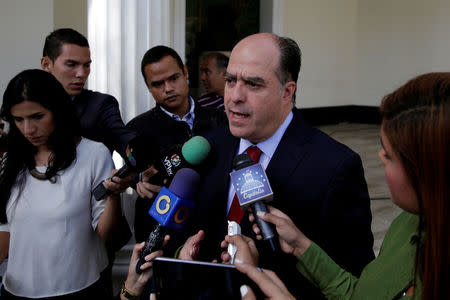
{"points": [[316, 180], [101, 121], [157, 126]]}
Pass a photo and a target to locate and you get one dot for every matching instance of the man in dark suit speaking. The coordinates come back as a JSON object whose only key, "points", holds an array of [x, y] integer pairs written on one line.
{"points": [[316, 180]]}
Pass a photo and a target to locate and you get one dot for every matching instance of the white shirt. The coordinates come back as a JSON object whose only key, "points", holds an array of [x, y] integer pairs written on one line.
{"points": [[54, 249], [267, 148]]}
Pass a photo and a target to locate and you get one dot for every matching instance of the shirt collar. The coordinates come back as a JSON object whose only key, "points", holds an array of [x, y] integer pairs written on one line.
{"points": [[268, 146], [188, 118]]}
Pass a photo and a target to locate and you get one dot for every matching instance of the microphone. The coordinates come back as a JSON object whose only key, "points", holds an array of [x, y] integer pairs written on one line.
{"points": [[253, 189], [171, 209], [176, 157], [139, 158]]}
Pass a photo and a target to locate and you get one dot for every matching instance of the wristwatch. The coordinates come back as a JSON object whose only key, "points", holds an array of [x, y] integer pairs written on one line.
{"points": [[128, 294]]}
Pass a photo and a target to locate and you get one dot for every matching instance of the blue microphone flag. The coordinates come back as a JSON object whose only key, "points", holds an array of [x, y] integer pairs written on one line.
{"points": [[173, 205], [169, 210], [251, 185]]}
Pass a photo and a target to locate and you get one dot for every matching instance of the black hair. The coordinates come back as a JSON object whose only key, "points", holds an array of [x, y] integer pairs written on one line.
{"points": [[56, 39], [290, 61], [41, 87], [157, 53], [221, 60]]}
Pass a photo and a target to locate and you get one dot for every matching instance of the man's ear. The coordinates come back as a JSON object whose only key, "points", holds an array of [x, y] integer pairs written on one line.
{"points": [[289, 90], [185, 71], [46, 63], [222, 72]]}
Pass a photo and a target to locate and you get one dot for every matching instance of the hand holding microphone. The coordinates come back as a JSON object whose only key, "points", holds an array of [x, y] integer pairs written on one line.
{"points": [[292, 240], [171, 209], [136, 283], [246, 250], [252, 188], [144, 188], [233, 229], [139, 157], [172, 159], [175, 157]]}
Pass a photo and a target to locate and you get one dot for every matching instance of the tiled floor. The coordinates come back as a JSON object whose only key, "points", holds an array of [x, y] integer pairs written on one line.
{"points": [[363, 139]]}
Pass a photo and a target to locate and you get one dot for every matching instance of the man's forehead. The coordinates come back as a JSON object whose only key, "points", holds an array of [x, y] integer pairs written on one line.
{"points": [[75, 53], [239, 70], [253, 51], [204, 67], [165, 64], [209, 63], [155, 77]]}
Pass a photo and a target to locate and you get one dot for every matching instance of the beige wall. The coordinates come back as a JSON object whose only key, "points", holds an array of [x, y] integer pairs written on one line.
{"points": [[24, 24], [23, 27], [71, 13], [356, 51], [398, 40], [326, 34]]}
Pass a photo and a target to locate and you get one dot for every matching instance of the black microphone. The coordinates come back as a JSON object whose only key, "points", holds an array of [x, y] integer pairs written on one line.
{"points": [[252, 189], [140, 156], [171, 209], [175, 157]]}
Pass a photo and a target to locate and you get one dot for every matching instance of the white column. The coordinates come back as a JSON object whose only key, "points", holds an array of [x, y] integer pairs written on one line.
{"points": [[119, 33], [277, 17]]}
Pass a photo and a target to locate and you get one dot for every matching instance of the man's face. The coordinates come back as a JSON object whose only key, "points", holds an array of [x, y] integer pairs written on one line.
{"points": [[255, 102], [212, 78], [168, 85], [71, 67]]}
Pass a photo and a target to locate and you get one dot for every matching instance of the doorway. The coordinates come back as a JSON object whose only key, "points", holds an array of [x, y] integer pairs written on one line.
{"points": [[216, 25]]}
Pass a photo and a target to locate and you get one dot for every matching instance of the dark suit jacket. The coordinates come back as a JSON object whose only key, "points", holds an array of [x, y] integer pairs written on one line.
{"points": [[317, 181], [155, 125], [101, 121]]}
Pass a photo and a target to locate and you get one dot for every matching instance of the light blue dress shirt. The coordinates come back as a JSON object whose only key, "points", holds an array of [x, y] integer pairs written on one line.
{"points": [[188, 118], [267, 147]]}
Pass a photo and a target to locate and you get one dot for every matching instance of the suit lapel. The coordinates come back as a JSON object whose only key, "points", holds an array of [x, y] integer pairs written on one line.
{"points": [[212, 213], [229, 147], [80, 102], [289, 153]]}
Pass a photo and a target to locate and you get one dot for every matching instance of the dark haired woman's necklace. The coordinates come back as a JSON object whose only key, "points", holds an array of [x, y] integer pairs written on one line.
{"points": [[41, 176], [38, 175]]}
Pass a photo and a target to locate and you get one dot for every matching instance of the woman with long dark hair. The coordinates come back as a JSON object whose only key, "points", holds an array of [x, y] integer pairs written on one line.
{"points": [[414, 260], [52, 228]]}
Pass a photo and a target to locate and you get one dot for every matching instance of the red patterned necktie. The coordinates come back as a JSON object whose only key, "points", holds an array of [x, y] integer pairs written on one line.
{"points": [[236, 213]]}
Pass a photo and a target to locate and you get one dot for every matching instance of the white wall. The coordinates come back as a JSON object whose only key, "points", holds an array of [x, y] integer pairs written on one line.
{"points": [[397, 40], [325, 32], [356, 51], [24, 25]]}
